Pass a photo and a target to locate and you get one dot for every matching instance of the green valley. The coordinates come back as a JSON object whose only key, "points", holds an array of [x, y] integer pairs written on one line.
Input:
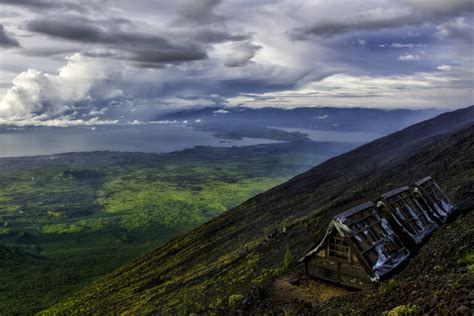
{"points": [[75, 217]]}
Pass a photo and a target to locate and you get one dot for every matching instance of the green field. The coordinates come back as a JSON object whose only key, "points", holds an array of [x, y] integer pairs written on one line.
{"points": [[71, 218]]}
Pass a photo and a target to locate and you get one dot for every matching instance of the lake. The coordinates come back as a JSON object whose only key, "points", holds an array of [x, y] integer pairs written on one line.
{"points": [[150, 138]]}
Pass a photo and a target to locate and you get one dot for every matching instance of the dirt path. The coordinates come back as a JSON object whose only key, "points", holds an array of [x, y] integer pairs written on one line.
{"points": [[292, 287]]}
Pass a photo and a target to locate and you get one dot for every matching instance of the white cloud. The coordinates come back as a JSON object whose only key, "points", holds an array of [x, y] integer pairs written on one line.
{"points": [[439, 89], [174, 103], [409, 57], [221, 111], [96, 112], [406, 45], [37, 94], [444, 68], [165, 122], [65, 121]]}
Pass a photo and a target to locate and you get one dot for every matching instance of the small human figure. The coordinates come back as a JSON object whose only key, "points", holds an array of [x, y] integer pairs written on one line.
{"points": [[246, 249], [274, 234], [284, 230]]}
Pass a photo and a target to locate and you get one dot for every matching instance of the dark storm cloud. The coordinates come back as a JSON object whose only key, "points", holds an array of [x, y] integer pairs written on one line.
{"points": [[71, 29], [146, 58], [42, 5], [6, 40], [147, 50], [415, 12], [198, 12], [87, 31], [217, 36], [440, 8], [197, 20], [47, 52]]}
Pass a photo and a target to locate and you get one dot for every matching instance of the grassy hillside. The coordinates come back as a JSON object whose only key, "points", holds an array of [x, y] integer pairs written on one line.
{"points": [[68, 219], [13, 257], [207, 270]]}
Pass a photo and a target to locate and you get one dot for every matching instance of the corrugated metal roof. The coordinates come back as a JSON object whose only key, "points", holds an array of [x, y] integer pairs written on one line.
{"points": [[395, 192], [412, 218], [425, 179], [439, 202], [354, 210]]}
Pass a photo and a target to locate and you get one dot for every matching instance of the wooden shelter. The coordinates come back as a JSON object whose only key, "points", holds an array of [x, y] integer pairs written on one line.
{"points": [[359, 248], [441, 205], [408, 215]]}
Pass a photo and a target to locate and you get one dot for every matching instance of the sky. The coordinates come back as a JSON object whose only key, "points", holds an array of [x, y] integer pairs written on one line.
{"points": [[104, 62]]}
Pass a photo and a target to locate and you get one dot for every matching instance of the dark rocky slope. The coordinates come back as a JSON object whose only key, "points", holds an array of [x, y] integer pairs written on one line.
{"points": [[206, 268]]}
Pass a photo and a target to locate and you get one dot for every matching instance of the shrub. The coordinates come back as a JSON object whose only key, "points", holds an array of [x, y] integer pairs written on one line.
{"points": [[216, 303], [470, 268], [468, 260], [234, 299], [402, 310], [392, 283]]}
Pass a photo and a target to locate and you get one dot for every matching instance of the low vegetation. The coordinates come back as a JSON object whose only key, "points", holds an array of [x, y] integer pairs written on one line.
{"points": [[402, 310], [66, 220]]}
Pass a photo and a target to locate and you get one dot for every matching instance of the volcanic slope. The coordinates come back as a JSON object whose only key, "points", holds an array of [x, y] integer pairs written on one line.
{"points": [[207, 269]]}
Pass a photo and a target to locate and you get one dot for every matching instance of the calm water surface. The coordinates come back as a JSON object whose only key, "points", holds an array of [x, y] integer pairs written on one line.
{"points": [[151, 138]]}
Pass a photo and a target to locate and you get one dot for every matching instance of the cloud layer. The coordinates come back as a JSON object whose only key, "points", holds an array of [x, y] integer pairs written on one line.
{"points": [[120, 61], [7, 40], [385, 16], [36, 94]]}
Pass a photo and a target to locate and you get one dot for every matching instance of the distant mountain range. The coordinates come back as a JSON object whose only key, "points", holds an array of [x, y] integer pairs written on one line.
{"points": [[214, 267], [326, 118]]}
